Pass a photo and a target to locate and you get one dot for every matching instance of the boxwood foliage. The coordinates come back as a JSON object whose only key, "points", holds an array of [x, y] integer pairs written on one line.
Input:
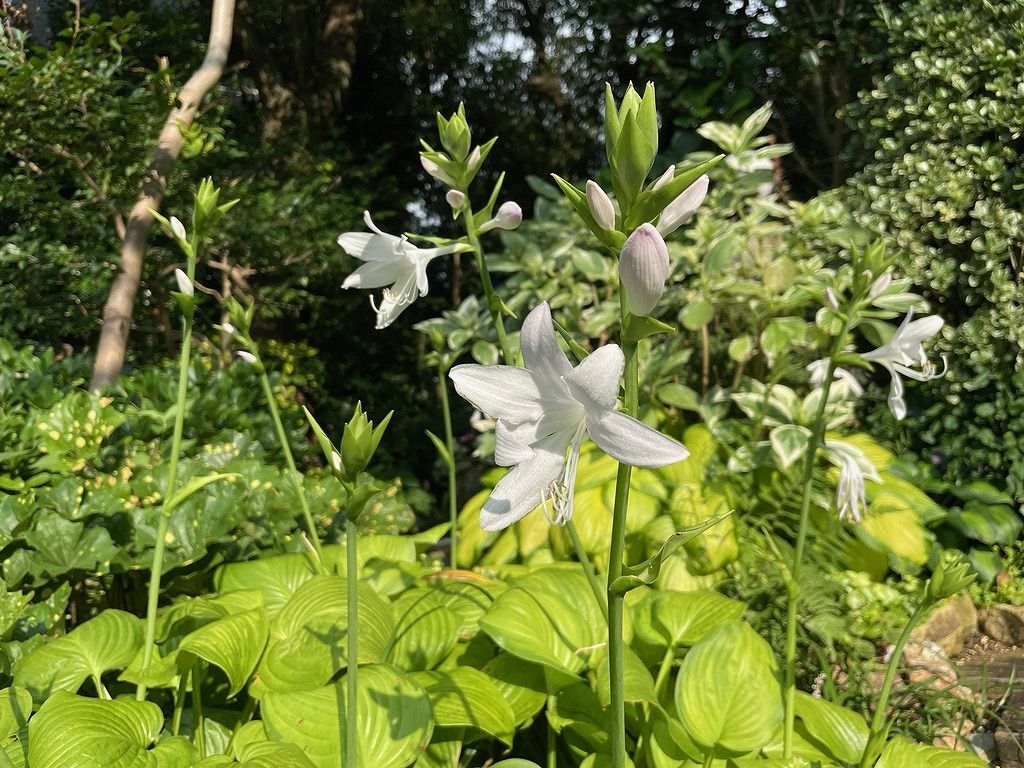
{"points": [[943, 180]]}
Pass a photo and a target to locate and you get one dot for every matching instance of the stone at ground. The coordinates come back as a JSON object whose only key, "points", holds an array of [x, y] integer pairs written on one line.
{"points": [[957, 737], [1004, 623], [950, 625], [1008, 747], [928, 657], [984, 744]]}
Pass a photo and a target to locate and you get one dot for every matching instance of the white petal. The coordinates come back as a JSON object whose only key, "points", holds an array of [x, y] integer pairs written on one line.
{"points": [[376, 274], [595, 381], [541, 353], [632, 442], [184, 284], [600, 205], [500, 391], [371, 247], [643, 268], [522, 490], [679, 211], [896, 402], [509, 449], [178, 229]]}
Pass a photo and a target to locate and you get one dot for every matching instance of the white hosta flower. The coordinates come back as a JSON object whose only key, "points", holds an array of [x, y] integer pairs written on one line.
{"points": [[508, 216], [643, 268], [906, 349], [680, 210], [544, 412], [393, 262], [600, 205], [819, 368], [178, 229], [185, 285], [854, 469]]}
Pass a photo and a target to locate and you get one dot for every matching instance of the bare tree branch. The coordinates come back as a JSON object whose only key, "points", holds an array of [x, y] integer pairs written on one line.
{"points": [[117, 313]]}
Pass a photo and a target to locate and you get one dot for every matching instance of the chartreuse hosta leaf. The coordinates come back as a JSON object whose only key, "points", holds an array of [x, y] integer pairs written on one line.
{"points": [[266, 754], [637, 683], [15, 708], [426, 630], [468, 595], [276, 577], [233, 643], [842, 732], [521, 684], [549, 617], [76, 732], [668, 619], [395, 721], [894, 527], [900, 753], [107, 642], [726, 694], [466, 698], [307, 638]]}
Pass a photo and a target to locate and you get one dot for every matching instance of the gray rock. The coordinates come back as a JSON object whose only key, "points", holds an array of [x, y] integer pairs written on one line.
{"points": [[950, 625], [1004, 623]]}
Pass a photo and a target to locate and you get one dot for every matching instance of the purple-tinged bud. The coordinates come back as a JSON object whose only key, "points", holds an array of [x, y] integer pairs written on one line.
{"points": [[679, 211], [643, 268], [455, 199], [601, 207], [184, 284], [509, 216]]}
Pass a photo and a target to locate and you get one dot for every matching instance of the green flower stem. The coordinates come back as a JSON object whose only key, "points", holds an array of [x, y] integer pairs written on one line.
{"points": [[197, 709], [878, 719], [179, 701], [664, 670], [493, 302], [352, 653], [552, 745], [793, 578], [615, 562], [449, 441], [165, 513], [293, 471], [588, 568]]}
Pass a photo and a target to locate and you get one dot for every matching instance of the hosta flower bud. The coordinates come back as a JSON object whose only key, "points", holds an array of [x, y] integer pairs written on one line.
{"points": [[601, 207], [249, 357], [184, 284], [878, 287], [436, 171], [643, 268], [229, 329], [178, 229], [455, 199], [474, 160], [664, 179], [509, 216], [682, 208], [830, 300]]}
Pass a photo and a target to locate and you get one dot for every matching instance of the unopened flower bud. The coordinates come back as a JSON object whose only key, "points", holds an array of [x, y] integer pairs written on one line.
{"points": [[336, 464], [436, 171], [643, 268], [178, 229], [682, 208], [249, 357], [229, 329], [830, 299], [474, 160], [455, 199], [601, 207], [184, 284], [879, 286], [509, 216], [664, 179]]}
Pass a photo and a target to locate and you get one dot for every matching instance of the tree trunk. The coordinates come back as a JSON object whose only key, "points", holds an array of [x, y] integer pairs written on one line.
{"points": [[118, 310]]}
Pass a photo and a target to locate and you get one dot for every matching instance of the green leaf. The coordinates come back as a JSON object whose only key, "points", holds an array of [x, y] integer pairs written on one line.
{"points": [[521, 684], [789, 442], [426, 630], [679, 396], [697, 314], [192, 486], [440, 447], [548, 617], [15, 708], [75, 732], [261, 754], [394, 714], [842, 732], [637, 683], [901, 753], [893, 527], [669, 619], [307, 644], [726, 693], [988, 523], [641, 326], [464, 697], [233, 643], [277, 578], [104, 643]]}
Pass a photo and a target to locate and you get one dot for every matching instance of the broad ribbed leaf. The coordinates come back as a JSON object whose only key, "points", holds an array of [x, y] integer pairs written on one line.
{"points": [[75, 732], [895, 528], [108, 641], [901, 753], [233, 643], [666, 619], [841, 731], [521, 684], [307, 644], [268, 754], [394, 719], [426, 630], [15, 707], [464, 697], [726, 692], [637, 683], [549, 617], [276, 577]]}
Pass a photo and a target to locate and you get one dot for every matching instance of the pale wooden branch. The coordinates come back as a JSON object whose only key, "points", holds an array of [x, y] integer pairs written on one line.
{"points": [[117, 313]]}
